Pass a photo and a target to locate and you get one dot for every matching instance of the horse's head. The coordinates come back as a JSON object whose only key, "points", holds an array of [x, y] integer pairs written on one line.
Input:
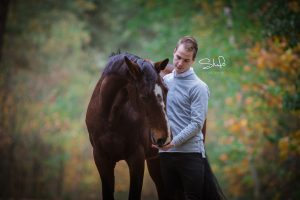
{"points": [[151, 96]]}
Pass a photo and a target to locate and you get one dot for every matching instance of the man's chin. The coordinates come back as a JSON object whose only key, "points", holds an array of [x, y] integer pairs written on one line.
{"points": [[179, 70]]}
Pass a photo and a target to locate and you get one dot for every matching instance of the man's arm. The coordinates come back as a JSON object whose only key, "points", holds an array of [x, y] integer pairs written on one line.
{"points": [[199, 106], [204, 130]]}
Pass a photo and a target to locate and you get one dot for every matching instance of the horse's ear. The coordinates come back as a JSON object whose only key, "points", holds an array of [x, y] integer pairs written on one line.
{"points": [[168, 69], [134, 70], [161, 65]]}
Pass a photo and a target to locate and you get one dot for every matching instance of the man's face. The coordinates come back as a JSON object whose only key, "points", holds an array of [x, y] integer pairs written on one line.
{"points": [[182, 59]]}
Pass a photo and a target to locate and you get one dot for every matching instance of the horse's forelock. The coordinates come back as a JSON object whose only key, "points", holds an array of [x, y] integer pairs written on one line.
{"points": [[149, 72], [115, 65]]}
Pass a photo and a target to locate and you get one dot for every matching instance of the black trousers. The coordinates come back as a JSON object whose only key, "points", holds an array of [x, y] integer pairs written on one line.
{"points": [[183, 175]]}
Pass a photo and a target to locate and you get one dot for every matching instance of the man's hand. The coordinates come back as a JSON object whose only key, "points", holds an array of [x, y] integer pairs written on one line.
{"points": [[164, 148]]}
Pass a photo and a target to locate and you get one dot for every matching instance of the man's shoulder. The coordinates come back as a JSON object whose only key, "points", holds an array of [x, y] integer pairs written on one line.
{"points": [[200, 86], [198, 82], [202, 83]]}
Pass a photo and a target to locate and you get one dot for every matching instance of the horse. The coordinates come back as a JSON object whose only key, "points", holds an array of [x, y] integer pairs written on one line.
{"points": [[125, 116]]}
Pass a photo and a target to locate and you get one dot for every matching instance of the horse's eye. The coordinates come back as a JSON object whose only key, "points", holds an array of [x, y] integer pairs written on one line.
{"points": [[159, 98], [144, 98]]}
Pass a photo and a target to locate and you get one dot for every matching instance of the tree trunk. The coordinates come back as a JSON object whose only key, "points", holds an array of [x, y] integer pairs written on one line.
{"points": [[60, 180], [254, 174], [3, 14]]}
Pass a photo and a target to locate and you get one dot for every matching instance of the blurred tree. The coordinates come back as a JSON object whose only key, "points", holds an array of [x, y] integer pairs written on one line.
{"points": [[42, 56], [268, 127], [3, 13]]}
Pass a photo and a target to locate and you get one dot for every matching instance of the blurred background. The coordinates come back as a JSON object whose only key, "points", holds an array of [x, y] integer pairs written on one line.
{"points": [[52, 55]]}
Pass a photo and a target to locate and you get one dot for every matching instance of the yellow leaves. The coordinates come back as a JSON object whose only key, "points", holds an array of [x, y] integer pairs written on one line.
{"points": [[249, 101], [234, 100], [283, 145], [247, 68], [86, 5], [245, 87], [289, 145], [235, 128], [237, 190], [238, 97], [287, 56], [229, 140], [244, 123], [295, 148], [235, 174], [278, 57], [294, 6], [260, 62], [122, 177], [215, 168], [271, 83], [297, 135], [91, 168], [223, 157], [229, 101], [273, 101], [295, 143]]}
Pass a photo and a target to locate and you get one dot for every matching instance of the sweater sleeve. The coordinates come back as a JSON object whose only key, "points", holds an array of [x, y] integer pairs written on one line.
{"points": [[198, 106]]}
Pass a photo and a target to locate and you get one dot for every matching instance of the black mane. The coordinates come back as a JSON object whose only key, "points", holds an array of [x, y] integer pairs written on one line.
{"points": [[117, 65]]}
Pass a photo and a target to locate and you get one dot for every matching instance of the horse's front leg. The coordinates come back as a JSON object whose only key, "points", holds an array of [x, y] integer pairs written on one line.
{"points": [[106, 170], [136, 164]]}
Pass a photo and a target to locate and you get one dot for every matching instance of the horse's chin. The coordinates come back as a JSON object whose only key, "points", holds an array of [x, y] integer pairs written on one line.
{"points": [[154, 142], [164, 144]]}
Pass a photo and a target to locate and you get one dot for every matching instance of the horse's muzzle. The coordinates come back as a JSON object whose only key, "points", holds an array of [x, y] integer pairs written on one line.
{"points": [[159, 142]]}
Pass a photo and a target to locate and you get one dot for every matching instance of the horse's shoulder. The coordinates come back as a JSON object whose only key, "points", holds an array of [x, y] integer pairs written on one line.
{"points": [[112, 83]]}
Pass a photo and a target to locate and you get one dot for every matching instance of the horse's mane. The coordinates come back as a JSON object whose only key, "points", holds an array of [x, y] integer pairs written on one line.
{"points": [[116, 65]]}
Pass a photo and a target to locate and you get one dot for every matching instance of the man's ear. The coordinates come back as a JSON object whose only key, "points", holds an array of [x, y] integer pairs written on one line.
{"points": [[133, 69], [161, 65], [175, 49]]}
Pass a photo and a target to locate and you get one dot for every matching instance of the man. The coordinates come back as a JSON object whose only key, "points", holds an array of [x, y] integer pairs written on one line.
{"points": [[183, 164]]}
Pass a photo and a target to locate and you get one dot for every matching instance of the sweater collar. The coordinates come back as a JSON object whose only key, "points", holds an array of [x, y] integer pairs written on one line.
{"points": [[184, 74]]}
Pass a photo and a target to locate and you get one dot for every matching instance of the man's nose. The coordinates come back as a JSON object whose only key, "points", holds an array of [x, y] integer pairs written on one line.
{"points": [[180, 63]]}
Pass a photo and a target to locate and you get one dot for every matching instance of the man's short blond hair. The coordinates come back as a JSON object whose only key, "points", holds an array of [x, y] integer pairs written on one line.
{"points": [[189, 43]]}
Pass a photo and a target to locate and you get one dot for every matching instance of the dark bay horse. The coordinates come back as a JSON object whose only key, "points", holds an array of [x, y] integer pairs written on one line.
{"points": [[125, 116]]}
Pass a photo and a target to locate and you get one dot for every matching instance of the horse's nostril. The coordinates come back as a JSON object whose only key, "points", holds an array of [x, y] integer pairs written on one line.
{"points": [[160, 142]]}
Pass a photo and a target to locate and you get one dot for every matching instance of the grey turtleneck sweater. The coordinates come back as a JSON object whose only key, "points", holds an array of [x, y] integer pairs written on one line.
{"points": [[187, 104]]}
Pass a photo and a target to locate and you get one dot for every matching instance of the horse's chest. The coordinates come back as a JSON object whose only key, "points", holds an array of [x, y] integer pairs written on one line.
{"points": [[119, 145]]}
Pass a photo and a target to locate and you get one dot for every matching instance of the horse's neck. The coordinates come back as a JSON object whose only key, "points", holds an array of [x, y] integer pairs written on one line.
{"points": [[109, 89]]}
